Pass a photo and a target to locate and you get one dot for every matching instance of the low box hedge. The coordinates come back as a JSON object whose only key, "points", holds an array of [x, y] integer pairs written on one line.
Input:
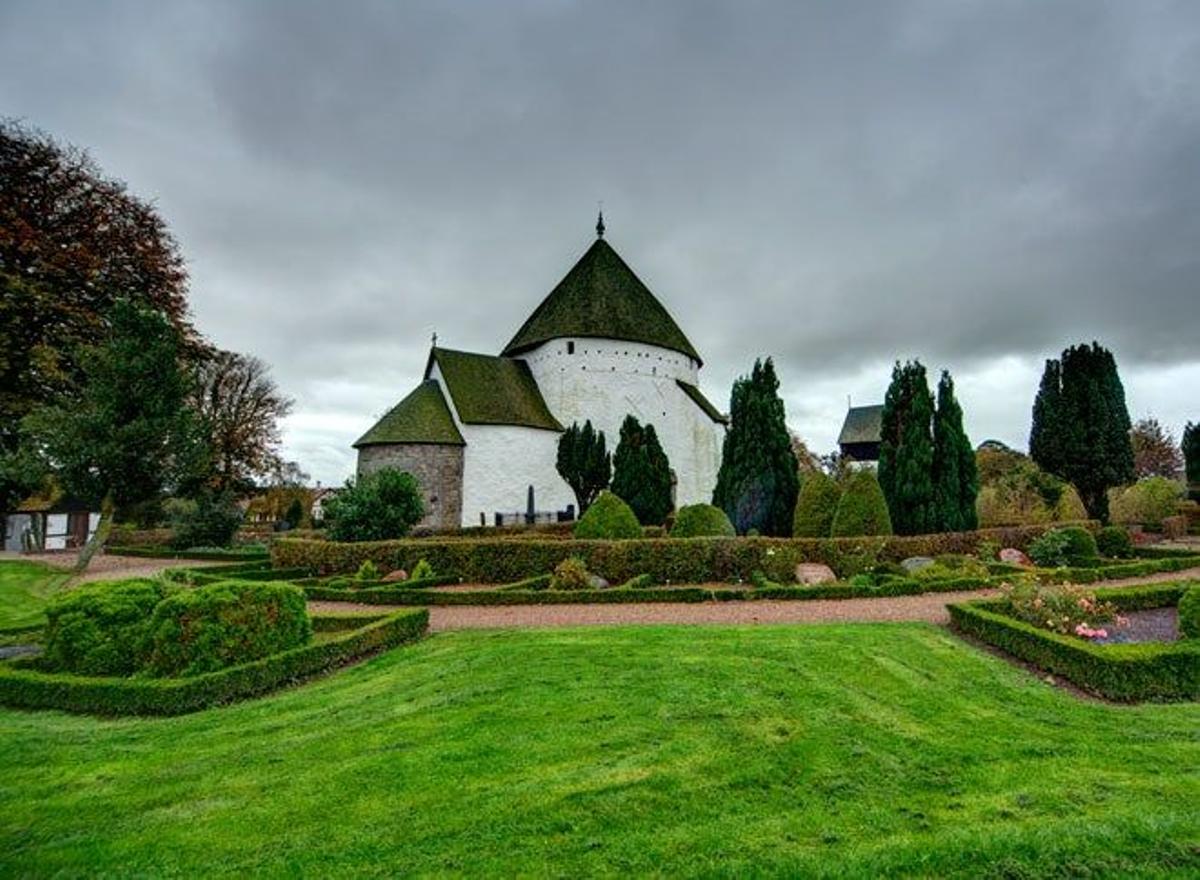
{"points": [[22, 686], [340, 621], [157, 552], [667, 560], [1160, 672]]}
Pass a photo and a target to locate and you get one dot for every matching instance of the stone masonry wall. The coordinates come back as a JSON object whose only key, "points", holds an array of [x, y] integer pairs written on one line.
{"points": [[438, 470]]}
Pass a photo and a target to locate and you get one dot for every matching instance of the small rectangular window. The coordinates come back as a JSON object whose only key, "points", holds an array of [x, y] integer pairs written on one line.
{"points": [[570, 348]]}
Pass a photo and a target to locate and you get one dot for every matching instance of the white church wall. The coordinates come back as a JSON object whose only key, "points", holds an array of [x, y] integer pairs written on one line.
{"points": [[604, 380]]}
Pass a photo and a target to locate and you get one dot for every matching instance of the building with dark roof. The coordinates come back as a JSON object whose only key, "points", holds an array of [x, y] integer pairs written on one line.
{"points": [[860, 436], [481, 431]]}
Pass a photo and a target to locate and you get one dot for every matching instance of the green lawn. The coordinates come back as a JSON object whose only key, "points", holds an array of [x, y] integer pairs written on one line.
{"points": [[24, 589], [825, 750]]}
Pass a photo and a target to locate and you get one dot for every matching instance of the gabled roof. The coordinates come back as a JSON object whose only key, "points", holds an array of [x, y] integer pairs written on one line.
{"points": [[601, 298], [701, 401], [422, 417], [864, 424], [489, 390]]}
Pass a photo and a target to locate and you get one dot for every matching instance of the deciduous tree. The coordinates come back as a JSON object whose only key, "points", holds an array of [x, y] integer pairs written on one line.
{"points": [[1154, 451]]}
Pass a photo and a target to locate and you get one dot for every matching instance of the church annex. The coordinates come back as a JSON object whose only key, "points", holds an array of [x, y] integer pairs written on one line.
{"points": [[480, 431]]}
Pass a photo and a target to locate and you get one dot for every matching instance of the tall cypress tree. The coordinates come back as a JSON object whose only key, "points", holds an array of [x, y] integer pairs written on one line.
{"points": [[642, 473], [758, 480], [1191, 458], [1083, 436], [584, 463], [906, 451], [955, 476]]}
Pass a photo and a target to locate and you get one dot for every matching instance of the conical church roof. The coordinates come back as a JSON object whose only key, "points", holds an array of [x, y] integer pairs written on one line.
{"points": [[601, 298]]}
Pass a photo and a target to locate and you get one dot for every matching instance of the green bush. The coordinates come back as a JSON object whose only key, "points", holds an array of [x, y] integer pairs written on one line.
{"points": [[1081, 545], [1113, 542], [368, 571], [376, 507], [1147, 502], [1050, 550], [209, 521], [571, 574], [422, 571], [101, 628], [609, 518], [862, 509], [225, 624], [816, 506], [702, 521], [1189, 614]]}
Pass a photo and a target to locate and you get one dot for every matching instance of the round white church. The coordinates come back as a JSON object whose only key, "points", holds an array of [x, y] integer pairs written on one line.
{"points": [[480, 432]]}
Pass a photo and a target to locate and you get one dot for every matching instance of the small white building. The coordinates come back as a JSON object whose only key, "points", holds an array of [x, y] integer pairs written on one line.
{"points": [[481, 431]]}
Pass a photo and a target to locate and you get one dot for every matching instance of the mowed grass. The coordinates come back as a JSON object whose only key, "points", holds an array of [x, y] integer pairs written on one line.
{"points": [[853, 750], [25, 587]]}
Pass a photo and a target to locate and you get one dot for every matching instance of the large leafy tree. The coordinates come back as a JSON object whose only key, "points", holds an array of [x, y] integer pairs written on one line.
{"points": [[239, 407], [72, 243], [757, 482], [642, 473], [584, 463], [955, 476], [1081, 425], [126, 434], [906, 451], [1154, 451], [375, 507]]}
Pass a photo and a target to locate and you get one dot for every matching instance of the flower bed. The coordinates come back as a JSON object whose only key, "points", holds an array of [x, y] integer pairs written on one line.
{"points": [[1125, 672], [22, 685]]}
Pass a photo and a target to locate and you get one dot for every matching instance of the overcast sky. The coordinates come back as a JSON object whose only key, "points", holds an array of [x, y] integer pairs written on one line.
{"points": [[836, 185]]}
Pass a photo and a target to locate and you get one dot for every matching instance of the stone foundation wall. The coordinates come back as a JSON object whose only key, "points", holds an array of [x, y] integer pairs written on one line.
{"points": [[438, 470]]}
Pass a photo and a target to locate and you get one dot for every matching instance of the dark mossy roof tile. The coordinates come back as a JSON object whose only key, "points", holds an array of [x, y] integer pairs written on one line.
{"points": [[601, 298], [422, 417], [703, 402], [864, 424], [489, 390]]}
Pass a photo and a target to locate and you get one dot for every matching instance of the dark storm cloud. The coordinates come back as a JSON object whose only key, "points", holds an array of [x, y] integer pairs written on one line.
{"points": [[837, 184]]}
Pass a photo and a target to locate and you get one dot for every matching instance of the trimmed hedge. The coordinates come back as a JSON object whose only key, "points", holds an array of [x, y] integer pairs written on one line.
{"points": [[1189, 614], [1163, 671], [702, 521], [225, 624], [667, 560], [24, 687], [158, 552], [608, 518], [102, 628], [340, 621]]}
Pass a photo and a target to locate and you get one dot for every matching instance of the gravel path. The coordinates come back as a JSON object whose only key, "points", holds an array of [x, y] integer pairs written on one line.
{"points": [[929, 607], [104, 566]]}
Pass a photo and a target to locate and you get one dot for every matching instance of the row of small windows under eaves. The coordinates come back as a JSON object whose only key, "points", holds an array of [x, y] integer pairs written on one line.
{"points": [[572, 347]]}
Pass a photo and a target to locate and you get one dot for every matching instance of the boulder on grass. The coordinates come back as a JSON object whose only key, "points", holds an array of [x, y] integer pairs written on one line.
{"points": [[916, 563], [393, 576], [1013, 556], [595, 582], [810, 573]]}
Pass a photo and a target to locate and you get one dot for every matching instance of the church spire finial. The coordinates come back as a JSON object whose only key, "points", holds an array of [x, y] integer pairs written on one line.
{"points": [[600, 221]]}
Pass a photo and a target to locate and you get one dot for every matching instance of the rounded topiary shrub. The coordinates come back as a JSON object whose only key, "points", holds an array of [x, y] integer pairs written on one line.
{"points": [[571, 574], [1147, 502], [1081, 545], [1189, 614], [1113, 542], [101, 629], [862, 509], [702, 521], [225, 624], [816, 506], [608, 518]]}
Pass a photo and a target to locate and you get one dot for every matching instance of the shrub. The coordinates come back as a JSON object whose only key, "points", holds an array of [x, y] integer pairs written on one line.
{"points": [[862, 509], [376, 507], [609, 518], [816, 506], [1063, 610], [1081, 546], [209, 521], [422, 571], [1050, 550], [1147, 502], [1189, 614], [570, 574], [225, 624], [989, 551], [100, 629], [1113, 542], [368, 571], [702, 521], [1174, 527]]}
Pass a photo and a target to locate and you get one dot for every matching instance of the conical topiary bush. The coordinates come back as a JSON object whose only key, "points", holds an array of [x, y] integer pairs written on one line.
{"points": [[609, 518], [816, 506], [863, 510]]}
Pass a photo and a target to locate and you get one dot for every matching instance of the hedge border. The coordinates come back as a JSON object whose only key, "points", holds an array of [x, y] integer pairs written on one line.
{"points": [[203, 555], [1153, 672], [26, 688]]}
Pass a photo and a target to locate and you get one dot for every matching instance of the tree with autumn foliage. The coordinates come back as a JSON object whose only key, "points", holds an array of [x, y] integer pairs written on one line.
{"points": [[1155, 453]]}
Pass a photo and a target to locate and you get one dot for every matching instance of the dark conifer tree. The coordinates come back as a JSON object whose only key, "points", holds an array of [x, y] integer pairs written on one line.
{"points": [[584, 463], [641, 473], [758, 480], [906, 451], [1191, 458], [955, 476], [1086, 439]]}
